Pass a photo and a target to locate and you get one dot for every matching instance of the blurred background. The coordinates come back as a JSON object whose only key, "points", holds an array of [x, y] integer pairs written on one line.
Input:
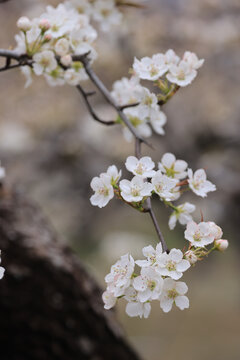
{"points": [[51, 149]]}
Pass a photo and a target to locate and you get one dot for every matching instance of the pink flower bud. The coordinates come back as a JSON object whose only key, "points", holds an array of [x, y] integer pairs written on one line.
{"points": [[191, 257], [48, 37], [44, 24], [24, 23], [221, 244], [66, 60]]}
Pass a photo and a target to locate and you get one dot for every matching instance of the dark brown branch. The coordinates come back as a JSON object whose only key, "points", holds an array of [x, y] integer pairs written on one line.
{"points": [[90, 108]]}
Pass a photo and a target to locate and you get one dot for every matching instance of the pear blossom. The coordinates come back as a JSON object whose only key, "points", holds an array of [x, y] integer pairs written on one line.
{"points": [[134, 307], [150, 68], [182, 214], [44, 24], [172, 167], [170, 58], [75, 76], [62, 47], [157, 119], [141, 167], [135, 190], [139, 121], [119, 278], [182, 74], [221, 244], [191, 257], [172, 264], [82, 6], [151, 254], [192, 60], [103, 190], [127, 91], [44, 62], [200, 234], [215, 230], [114, 174], [109, 299], [199, 184], [66, 60], [162, 185], [24, 23], [148, 284], [106, 13], [174, 292]]}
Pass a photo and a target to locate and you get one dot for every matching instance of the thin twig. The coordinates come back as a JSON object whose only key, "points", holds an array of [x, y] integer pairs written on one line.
{"points": [[104, 91], [85, 96]]}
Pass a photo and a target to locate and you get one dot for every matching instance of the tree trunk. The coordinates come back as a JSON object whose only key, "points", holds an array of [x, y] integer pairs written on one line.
{"points": [[50, 307]]}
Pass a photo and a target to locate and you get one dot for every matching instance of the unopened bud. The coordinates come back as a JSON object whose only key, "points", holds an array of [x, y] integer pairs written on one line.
{"points": [[66, 60], [44, 24], [24, 23], [191, 257], [47, 37], [221, 244]]}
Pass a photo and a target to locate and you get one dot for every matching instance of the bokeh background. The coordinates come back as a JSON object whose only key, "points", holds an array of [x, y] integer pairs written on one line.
{"points": [[51, 149]]}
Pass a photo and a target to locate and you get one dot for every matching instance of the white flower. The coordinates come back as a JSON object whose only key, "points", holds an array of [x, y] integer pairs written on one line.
{"points": [[44, 62], [66, 60], [62, 47], [134, 307], [82, 6], [109, 300], [181, 74], [114, 174], [172, 264], [135, 190], [150, 68], [163, 185], [103, 190], [149, 284], [143, 167], [106, 13], [75, 76], [172, 167], [24, 23], [119, 278], [200, 234], [55, 77], [158, 119], [127, 91], [44, 24], [215, 230], [85, 34], [2, 173], [199, 184], [139, 121], [170, 58], [173, 292], [151, 254], [192, 60], [182, 214], [221, 244], [191, 257], [33, 35]]}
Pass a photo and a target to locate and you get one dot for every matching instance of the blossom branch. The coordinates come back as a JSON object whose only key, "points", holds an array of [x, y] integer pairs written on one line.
{"points": [[104, 91]]}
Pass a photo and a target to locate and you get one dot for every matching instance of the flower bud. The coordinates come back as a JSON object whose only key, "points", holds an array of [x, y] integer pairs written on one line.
{"points": [[47, 37], [221, 244], [191, 257], [44, 24], [66, 60], [24, 23]]}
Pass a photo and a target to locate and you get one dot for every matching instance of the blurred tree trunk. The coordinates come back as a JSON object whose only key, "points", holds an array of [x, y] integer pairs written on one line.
{"points": [[50, 307]]}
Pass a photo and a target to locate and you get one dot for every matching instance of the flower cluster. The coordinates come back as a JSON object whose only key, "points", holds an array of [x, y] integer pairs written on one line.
{"points": [[168, 182], [157, 278], [177, 71], [142, 106]]}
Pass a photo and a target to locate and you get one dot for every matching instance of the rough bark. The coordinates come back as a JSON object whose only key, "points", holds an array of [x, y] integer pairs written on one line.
{"points": [[50, 307]]}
